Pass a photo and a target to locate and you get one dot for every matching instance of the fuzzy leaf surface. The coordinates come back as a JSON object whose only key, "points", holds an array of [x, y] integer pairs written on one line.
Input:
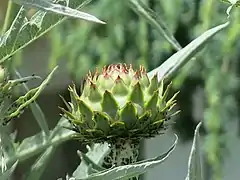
{"points": [[23, 31]]}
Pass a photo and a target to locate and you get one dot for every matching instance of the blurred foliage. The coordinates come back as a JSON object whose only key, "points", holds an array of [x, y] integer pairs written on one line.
{"points": [[128, 38]]}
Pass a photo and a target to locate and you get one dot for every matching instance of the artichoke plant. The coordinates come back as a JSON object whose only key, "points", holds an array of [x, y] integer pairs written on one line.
{"points": [[119, 106]]}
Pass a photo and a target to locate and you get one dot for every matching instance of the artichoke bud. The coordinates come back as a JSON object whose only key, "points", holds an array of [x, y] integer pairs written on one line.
{"points": [[120, 96], [109, 105], [119, 105], [119, 88], [94, 94]]}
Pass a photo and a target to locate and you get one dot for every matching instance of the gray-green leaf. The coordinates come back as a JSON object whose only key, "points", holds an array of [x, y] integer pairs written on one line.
{"points": [[152, 18], [180, 58], [58, 8], [128, 171], [36, 144], [7, 174], [194, 163], [40, 165], [23, 31], [96, 154]]}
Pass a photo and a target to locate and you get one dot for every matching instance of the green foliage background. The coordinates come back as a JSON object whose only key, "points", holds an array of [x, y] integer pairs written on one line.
{"points": [[129, 38]]}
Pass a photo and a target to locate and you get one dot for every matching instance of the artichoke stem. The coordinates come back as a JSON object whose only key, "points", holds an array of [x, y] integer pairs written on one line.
{"points": [[123, 152]]}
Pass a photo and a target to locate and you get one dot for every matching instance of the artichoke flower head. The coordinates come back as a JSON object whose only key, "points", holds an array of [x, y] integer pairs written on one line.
{"points": [[119, 106]]}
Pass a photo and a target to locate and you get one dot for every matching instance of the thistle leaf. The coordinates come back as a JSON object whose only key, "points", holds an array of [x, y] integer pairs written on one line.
{"points": [[96, 154], [180, 58], [58, 8], [154, 19], [194, 163], [88, 161], [23, 31], [128, 171], [7, 174], [36, 144], [40, 165], [6, 142]]}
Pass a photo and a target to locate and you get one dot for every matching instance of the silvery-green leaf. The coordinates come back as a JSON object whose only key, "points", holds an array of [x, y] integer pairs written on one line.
{"points": [[152, 18], [96, 154], [180, 58], [58, 8], [40, 165], [7, 142], [87, 160], [194, 163], [23, 31], [128, 171], [233, 2], [7, 174], [38, 143]]}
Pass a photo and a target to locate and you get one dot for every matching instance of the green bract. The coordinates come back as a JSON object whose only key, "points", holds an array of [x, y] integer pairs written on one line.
{"points": [[119, 102]]}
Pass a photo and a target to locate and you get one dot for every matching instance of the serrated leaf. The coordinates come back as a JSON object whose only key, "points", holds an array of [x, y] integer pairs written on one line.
{"points": [[58, 8], [37, 111], [88, 161], [23, 31], [194, 163], [96, 154], [180, 58], [40, 165], [36, 144], [128, 171], [14, 29], [7, 142], [7, 174]]}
